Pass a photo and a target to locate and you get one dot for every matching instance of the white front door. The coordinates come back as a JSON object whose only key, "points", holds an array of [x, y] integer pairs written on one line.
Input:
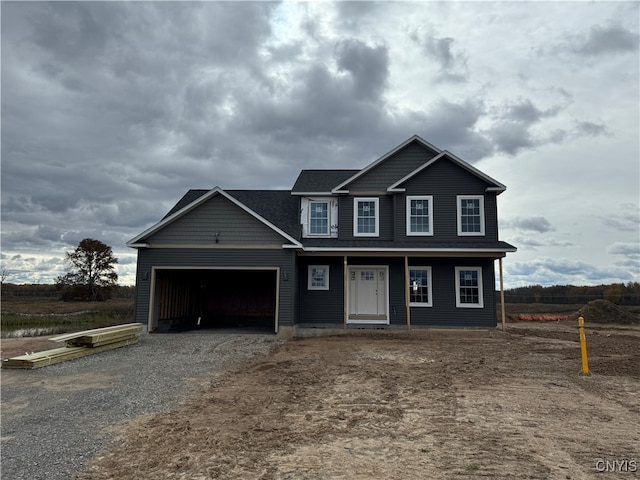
{"points": [[368, 295]]}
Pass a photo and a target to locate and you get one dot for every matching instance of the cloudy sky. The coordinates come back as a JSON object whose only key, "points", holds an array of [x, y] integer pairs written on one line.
{"points": [[111, 111]]}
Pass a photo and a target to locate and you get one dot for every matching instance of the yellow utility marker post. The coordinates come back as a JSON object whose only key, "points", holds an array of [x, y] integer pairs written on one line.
{"points": [[583, 347]]}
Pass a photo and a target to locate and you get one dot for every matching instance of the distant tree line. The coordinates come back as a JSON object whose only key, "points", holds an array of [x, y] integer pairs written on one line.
{"points": [[617, 293], [53, 291]]}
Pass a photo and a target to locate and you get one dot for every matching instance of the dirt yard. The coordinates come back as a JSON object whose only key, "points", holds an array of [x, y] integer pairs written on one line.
{"points": [[432, 404]]}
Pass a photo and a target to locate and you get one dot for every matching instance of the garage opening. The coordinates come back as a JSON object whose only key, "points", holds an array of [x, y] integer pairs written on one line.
{"points": [[188, 299]]}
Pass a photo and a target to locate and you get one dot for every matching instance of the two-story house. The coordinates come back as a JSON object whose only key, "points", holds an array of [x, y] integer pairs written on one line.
{"points": [[408, 241]]}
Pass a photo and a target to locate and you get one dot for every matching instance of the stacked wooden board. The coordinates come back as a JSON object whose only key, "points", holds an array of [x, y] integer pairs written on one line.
{"points": [[78, 345]]}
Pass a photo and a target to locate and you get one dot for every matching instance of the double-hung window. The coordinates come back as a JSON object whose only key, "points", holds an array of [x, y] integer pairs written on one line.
{"points": [[420, 287], [470, 215], [469, 287], [318, 277], [319, 218], [419, 215], [366, 217]]}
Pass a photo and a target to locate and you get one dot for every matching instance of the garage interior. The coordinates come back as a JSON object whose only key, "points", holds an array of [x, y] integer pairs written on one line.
{"points": [[216, 299]]}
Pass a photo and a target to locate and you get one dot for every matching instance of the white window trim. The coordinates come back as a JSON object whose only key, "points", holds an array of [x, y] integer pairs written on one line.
{"points": [[480, 303], [355, 216], [310, 285], [408, 220], [459, 199], [429, 286], [327, 203]]}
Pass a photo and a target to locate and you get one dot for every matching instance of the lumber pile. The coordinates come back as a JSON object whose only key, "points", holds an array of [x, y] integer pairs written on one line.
{"points": [[79, 344]]}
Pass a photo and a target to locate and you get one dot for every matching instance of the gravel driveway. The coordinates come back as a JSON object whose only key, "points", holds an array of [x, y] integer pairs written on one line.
{"points": [[56, 417]]}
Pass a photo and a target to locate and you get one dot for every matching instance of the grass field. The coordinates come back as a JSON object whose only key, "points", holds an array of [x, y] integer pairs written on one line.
{"points": [[33, 316]]}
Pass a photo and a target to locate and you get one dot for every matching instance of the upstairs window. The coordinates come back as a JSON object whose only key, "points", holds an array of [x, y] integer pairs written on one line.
{"points": [[470, 215], [319, 218], [365, 217], [420, 215], [469, 287]]}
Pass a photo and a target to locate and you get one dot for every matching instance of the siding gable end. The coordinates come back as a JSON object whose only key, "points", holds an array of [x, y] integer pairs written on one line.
{"points": [[492, 184], [211, 214], [394, 165]]}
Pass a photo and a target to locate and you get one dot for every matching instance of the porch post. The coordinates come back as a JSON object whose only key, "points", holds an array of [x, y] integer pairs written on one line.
{"points": [[344, 290], [502, 295], [406, 291]]}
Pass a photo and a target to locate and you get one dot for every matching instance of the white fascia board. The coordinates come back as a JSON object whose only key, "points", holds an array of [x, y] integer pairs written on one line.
{"points": [[312, 194], [339, 188], [498, 187], [187, 208], [408, 250]]}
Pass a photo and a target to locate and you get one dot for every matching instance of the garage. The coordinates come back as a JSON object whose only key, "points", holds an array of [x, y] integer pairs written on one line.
{"points": [[214, 298]]}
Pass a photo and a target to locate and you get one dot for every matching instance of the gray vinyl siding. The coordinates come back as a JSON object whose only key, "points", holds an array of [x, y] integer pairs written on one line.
{"points": [[345, 218], [321, 308], [325, 308], [391, 170], [444, 312], [445, 180], [202, 257], [217, 215]]}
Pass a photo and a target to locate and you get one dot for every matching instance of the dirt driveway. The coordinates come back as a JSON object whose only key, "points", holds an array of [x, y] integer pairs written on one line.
{"points": [[431, 404]]}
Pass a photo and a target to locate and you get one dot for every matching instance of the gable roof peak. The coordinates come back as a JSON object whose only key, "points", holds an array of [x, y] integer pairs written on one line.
{"points": [[495, 186], [192, 203], [385, 157]]}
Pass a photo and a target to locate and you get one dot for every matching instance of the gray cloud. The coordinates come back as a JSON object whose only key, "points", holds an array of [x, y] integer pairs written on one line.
{"points": [[535, 224], [604, 41], [590, 129], [627, 220], [455, 125], [369, 67], [562, 271], [535, 243], [452, 62], [512, 132], [627, 249], [525, 112], [511, 138]]}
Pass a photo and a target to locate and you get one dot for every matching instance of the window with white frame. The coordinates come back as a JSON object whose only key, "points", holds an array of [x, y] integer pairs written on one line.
{"points": [[470, 215], [420, 215], [319, 218], [420, 287], [366, 218], [318, 278], [469, 287]]}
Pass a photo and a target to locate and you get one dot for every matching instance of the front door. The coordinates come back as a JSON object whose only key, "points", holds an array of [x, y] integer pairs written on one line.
{"points": [[368, 295]]}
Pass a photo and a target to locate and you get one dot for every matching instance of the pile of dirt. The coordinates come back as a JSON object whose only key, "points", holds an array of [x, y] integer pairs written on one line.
{"points": [[603, 311]]}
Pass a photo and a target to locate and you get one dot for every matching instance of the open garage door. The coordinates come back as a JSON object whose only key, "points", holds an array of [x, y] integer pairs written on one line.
{"points": [[229, 298]]}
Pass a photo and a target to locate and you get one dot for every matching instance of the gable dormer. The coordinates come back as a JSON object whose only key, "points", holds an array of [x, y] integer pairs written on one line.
{"points": [[376, 177]]}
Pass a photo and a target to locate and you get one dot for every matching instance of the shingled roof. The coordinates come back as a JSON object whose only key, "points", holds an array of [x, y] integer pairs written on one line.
{"points": [[320, 181], [275, 206]]}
